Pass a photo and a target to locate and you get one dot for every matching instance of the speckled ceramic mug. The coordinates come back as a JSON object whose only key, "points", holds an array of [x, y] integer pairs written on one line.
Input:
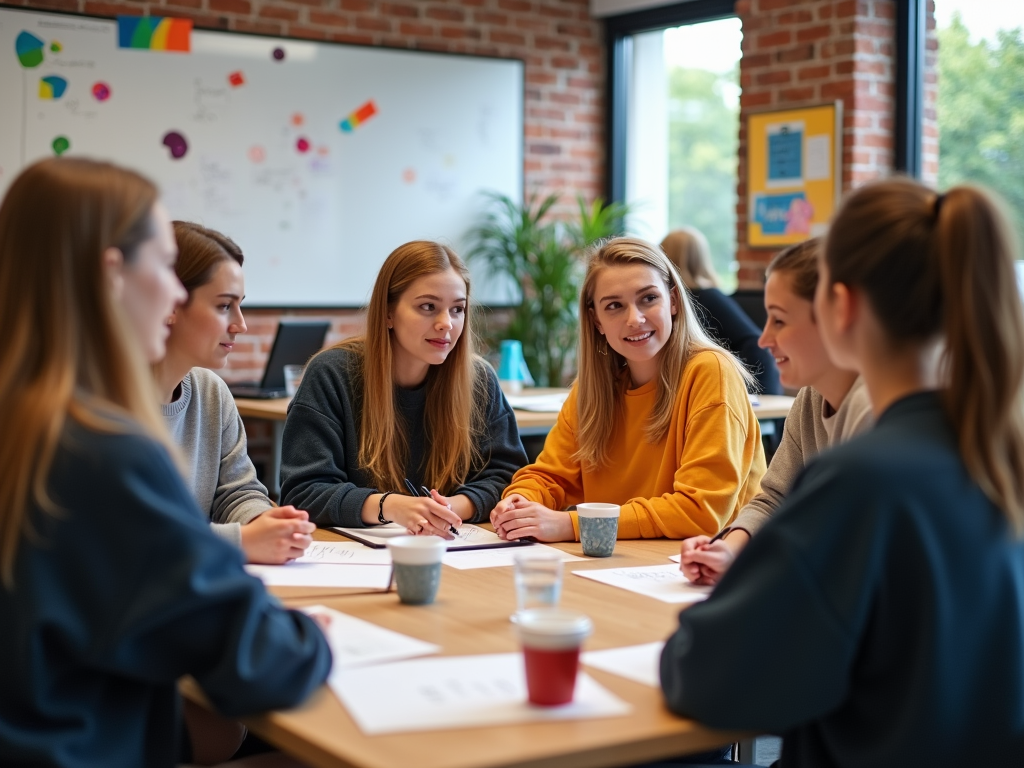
{"points": [[599, 528], [417, 564]]}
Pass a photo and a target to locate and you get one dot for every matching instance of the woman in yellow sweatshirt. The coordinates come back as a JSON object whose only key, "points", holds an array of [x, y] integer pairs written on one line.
{"points": [[658, 420]]}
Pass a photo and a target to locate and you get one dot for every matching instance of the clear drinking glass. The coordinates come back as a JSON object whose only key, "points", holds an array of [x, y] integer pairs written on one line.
{"points": [[292, 378], [538, 579]]}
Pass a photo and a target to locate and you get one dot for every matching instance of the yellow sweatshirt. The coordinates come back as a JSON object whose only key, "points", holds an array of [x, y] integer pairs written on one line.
{"points": [[693, 481]]}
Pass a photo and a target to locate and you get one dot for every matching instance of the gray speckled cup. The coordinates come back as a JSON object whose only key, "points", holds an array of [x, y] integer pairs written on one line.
{"points": [[417, 564], [417, 584], [599, 528]]}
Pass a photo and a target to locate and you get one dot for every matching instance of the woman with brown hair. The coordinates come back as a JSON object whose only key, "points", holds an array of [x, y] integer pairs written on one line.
{"points": [[831, 407], [658, 420], [113, 586], [723, 319], [892, 577], [407, 403], [200, 411]]}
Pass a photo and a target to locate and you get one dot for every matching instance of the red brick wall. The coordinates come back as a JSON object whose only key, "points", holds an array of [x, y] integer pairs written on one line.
{"points": [[803, 52], [559, 41]]}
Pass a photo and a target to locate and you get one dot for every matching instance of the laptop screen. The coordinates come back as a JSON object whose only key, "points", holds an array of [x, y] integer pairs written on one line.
{"points": [[294, 344]]}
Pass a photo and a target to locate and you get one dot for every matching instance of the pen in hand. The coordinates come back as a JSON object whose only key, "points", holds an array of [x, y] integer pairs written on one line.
{"points": [[413, 492]]}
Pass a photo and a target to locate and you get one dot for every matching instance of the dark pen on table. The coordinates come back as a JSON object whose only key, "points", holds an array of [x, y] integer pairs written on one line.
{"points": [[426, 492]]}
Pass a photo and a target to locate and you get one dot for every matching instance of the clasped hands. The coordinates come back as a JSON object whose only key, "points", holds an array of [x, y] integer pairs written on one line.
{"points": [[516, 517]]}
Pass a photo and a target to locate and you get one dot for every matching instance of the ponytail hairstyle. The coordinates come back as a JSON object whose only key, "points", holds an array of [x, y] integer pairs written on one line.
{"points": [[456, 389], [603, 375], [68, 351], [941, 266], [800, 262], [200, 252], [689, 252]]}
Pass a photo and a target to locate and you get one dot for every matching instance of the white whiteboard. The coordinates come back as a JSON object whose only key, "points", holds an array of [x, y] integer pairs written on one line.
{"points": [[315, 209]]}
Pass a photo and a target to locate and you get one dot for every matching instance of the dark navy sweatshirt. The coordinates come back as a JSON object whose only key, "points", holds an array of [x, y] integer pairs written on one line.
{"points": [[877, 620]]}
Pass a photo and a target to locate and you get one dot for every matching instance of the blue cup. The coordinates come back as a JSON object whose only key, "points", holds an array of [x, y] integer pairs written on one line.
{"points": [[512, 366]]}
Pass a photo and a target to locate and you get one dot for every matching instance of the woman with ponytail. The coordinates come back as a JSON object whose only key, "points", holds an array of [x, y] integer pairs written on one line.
{"points": [[893, 574]]}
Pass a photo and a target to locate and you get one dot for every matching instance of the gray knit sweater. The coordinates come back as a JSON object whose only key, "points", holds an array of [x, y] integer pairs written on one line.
{"points": [[811, 427], [206, 426]]}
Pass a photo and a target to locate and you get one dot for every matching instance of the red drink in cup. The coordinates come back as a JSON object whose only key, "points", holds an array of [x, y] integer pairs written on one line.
{"points": [[551, 641]]}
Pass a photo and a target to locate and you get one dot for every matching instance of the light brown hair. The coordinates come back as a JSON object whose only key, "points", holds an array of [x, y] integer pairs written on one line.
{"points": [[603, 375], [67, 351], [688, 250], [800, 262], [942, 267], [456, 393], [200, 252]]}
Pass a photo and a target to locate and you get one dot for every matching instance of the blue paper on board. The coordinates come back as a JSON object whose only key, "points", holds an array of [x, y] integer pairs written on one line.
{"points": [[772, 211], [786, 156]]}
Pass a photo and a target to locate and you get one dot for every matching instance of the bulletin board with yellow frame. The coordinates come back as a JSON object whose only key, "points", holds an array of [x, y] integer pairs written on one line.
{"points": [[794, 173]]}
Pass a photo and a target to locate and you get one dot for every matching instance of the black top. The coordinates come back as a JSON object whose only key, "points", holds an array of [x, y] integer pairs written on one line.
{"points": [[125, 590], [877, 620], [320, 471], [725, 321]]}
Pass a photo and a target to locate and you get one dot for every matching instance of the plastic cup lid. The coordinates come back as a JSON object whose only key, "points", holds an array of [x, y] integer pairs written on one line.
{"points": [[553, 628]]}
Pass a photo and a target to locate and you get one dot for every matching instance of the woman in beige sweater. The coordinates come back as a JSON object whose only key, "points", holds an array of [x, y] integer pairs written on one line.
{"points": [[831, 407]]}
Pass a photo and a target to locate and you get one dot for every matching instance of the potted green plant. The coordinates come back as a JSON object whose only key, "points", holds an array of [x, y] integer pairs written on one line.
{"points": [[542, 255]]}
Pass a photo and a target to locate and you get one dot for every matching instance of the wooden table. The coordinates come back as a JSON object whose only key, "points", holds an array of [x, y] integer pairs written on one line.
{"points": [[768, 408], [471, 616]]}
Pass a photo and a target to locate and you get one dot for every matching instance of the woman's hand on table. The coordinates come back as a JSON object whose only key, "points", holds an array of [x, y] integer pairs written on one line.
{"points": [[515, 518], [704, 562], [277, 536]]}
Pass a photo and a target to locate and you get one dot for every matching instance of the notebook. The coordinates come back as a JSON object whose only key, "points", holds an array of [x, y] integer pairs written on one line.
{"points": [[294, 344], [470, 537]]}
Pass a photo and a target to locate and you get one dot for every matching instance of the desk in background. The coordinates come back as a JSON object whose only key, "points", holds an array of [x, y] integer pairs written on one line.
{"points": [[471, 616], [531, 424]]}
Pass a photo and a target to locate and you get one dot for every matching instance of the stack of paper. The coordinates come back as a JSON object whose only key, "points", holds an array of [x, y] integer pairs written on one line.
{"points": [[662, 582], [459, 692], [312, 574], [358, 643], [640, 663]]}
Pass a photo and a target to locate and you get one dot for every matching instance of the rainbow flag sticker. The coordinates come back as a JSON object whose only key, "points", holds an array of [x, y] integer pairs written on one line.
{"points": [[154, 33], [52, 87], [360, 116]]}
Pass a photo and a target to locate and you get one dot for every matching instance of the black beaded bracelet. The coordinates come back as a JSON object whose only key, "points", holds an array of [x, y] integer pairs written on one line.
{"points": [[380, 508]]}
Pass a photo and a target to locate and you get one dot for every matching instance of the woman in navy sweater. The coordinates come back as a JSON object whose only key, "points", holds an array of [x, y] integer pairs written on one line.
{"points": [[892, 578], [113, 586]]}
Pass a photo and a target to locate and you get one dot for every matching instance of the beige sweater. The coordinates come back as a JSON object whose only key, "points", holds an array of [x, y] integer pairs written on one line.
{"points": [[811, 427]]}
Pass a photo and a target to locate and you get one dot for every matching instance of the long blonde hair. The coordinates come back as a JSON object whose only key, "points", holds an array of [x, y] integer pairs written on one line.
{"points": [[603, 376], [456, 393], [943, 266], [67, 350], [689, 252]]}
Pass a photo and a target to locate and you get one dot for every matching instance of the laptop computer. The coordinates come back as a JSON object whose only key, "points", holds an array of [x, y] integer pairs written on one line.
{"points": [[294, 344]]}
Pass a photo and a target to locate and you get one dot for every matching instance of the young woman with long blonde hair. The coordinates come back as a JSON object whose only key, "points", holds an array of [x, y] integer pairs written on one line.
{"points": [[113, 586], [408, 401], [658, 420], [891, 579]]}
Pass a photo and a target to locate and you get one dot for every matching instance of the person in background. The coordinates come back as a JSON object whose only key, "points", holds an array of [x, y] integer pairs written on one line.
{"points": [[721, 317], [409, 403], [658, 420], [201, 412], [112, 586], [831, 407], [891, 579]]}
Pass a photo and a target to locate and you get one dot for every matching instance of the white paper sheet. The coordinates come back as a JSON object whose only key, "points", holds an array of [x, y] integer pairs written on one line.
{"points": [[639, 663], [496, 558], [675, 558], [459, 692], [818, 151], [550, 403], [296, 574], [344, 553], [358, 643], [662, 582], [468, 536]]}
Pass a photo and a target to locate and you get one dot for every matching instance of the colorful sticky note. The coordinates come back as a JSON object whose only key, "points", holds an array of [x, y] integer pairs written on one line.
{"points": [[154, 33], [60, 145], [360, 116], [236, 79], [52, 87], [29, 49]]}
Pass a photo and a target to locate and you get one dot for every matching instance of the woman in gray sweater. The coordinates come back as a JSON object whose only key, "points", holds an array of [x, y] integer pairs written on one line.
{"points": [[201, 412], [831, 407]]}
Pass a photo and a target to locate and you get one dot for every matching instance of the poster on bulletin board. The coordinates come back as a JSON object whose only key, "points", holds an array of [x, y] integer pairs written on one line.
{"points": [[793, 173]]}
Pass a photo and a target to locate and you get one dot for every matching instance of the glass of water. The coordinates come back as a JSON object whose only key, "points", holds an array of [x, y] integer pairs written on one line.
{"points": [[538, 578]]}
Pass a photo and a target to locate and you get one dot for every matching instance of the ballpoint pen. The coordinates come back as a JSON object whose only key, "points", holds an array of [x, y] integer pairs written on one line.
{"points": [[426, 492]]}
